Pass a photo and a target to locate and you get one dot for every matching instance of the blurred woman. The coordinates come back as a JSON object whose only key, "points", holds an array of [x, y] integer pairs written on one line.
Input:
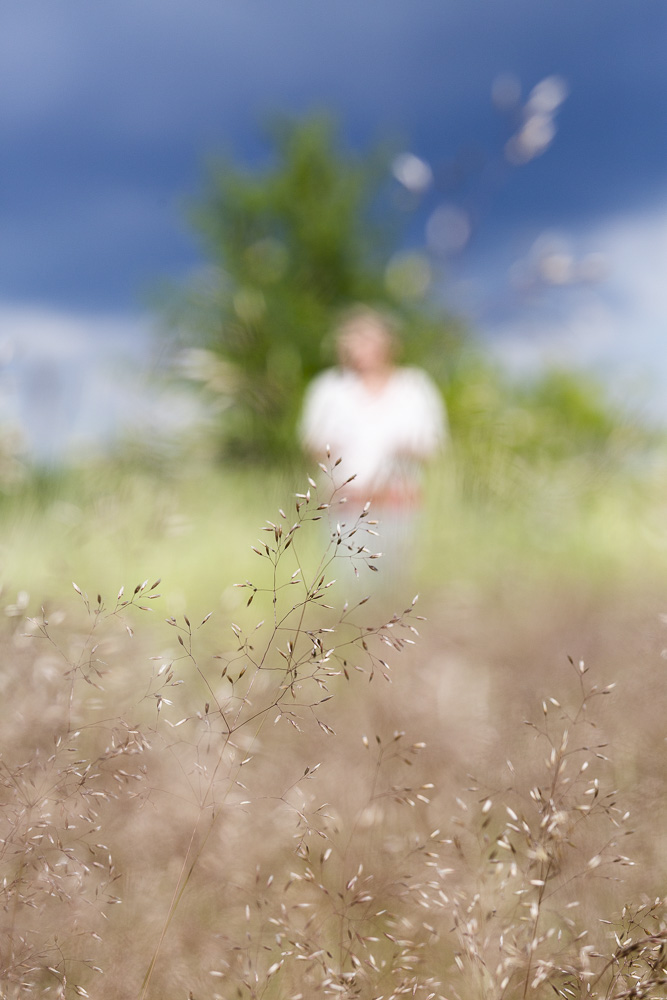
{"points": [[383, 421]]}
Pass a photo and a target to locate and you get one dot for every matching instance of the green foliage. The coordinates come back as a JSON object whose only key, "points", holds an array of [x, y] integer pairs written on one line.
{"points": [[290, 247], [569, 411], [507, 433]]}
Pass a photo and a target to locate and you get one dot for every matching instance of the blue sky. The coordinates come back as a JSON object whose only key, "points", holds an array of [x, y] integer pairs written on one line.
{"points": [[108, 111]]}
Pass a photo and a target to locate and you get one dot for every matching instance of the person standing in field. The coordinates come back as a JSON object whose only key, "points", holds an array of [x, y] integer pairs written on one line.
{"points": [[383, 421]]}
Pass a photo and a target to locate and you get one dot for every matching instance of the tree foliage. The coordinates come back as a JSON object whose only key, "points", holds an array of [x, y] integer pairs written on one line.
{"points": [[508, 432], [290, 247]]}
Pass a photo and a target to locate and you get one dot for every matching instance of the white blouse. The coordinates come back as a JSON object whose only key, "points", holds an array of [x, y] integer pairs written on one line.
{"points": [[381, 436]]}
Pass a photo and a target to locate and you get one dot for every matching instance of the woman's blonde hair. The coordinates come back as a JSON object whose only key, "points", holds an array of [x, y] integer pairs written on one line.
{"points": [[361, 313]]}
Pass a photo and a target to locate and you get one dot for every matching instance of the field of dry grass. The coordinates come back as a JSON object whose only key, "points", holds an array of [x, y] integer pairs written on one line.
{"points": [[290, 800]]}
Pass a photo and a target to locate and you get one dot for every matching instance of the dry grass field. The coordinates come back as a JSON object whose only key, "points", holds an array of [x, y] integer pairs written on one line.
{"points": [[458, 798]]}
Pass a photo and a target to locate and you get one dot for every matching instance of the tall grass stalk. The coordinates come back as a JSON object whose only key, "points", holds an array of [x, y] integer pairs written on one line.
{"points": [[236, 815]]}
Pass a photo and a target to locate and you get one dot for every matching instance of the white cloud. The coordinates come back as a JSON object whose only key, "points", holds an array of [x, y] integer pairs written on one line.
{"points": [[617, 327], [43, 334], [70, 379]]}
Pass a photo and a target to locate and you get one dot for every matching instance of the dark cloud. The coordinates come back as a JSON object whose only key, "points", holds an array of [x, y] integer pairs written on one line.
{"points": [[108, 109]]}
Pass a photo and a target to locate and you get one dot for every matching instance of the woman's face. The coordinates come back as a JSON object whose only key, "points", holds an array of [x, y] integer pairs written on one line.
{"points": [[365, 346]]}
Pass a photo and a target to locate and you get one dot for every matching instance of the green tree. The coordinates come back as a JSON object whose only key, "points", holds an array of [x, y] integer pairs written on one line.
{"points": [[293, 244], [290, 246]]}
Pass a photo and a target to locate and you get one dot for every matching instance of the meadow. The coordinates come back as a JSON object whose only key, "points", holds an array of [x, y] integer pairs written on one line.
{"points": [[218, 791]]}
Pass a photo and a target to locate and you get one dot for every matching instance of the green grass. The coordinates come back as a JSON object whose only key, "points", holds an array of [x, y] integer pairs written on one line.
{"points": [[539, 525], [108, 527], [193, 525]]}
